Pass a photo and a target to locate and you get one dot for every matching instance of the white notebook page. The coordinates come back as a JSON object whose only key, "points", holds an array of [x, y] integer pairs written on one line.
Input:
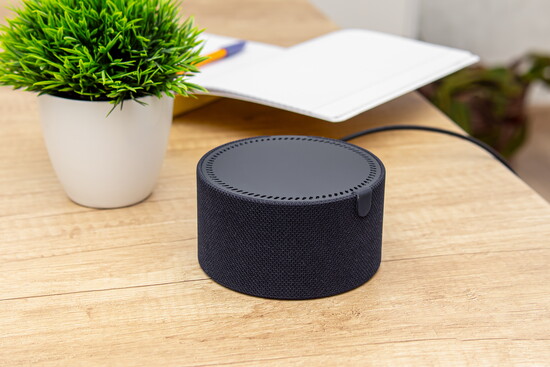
{"points": [[338, 75], [333, 77]]}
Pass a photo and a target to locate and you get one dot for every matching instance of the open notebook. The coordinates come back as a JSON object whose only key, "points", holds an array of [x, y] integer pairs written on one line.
{"points": [[333, 77]]}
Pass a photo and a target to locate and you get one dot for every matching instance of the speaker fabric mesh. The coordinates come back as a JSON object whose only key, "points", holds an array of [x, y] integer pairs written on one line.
{"points": [[297, 249]]}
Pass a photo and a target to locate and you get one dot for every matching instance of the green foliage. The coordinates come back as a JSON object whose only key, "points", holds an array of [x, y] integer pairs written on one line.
{"points": [[99, 50], [536, 68], [489, 103]]}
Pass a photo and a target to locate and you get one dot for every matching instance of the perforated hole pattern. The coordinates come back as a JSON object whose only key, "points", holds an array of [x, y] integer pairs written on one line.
{"points": [[373, 165]]}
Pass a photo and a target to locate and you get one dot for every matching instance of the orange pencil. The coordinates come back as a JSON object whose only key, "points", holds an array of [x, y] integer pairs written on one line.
{"points": [[223, 53]]}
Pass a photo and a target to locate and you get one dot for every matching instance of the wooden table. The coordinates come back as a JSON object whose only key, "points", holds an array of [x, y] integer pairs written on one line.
{"points": [[464, 278]]}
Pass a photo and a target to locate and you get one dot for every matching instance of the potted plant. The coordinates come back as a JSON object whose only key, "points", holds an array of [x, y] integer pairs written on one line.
{"points": [[106, 72], [489, 102]]}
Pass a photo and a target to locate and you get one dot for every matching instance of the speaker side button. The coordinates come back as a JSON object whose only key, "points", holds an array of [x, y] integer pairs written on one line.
{"points": [[364, 199]]}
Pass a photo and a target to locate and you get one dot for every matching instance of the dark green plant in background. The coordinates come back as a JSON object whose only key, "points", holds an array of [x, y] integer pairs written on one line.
{"points": [[99, 50], [489, 103]]}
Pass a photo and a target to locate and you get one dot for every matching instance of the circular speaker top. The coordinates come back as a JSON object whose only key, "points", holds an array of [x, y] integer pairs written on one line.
{"points": [[291, 168]]}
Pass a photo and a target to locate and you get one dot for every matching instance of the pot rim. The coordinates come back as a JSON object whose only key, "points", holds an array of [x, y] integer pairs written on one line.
{"points": [[47, 95]]}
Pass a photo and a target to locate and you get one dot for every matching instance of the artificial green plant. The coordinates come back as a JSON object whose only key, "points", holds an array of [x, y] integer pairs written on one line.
{"points": [[99, 50]]}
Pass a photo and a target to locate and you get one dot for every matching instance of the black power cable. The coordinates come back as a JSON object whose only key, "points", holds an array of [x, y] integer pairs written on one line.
{"points": [[479, 143]]}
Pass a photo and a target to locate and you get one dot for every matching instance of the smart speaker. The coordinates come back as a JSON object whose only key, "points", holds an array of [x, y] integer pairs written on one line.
{"points": [[290, 217]]}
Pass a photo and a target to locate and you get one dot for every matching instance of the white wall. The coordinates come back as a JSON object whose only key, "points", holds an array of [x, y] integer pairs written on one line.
{"points": [[497, 30], [391, 16]]}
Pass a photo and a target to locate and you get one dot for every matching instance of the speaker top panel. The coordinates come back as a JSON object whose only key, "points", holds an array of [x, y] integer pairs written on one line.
{"points": [[285, 168]]}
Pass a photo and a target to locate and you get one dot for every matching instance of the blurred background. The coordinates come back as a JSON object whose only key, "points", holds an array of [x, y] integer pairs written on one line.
{"points": [[505, 100]]}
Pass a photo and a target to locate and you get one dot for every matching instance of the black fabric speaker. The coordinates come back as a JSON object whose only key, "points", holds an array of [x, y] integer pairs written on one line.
{"points": [[290, 217]]}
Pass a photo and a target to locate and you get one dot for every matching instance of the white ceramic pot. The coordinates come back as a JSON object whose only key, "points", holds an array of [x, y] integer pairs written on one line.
{"points": [[106, 160]]}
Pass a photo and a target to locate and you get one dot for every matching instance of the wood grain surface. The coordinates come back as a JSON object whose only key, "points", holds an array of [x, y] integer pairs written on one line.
{"points": [[464, 278]]}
